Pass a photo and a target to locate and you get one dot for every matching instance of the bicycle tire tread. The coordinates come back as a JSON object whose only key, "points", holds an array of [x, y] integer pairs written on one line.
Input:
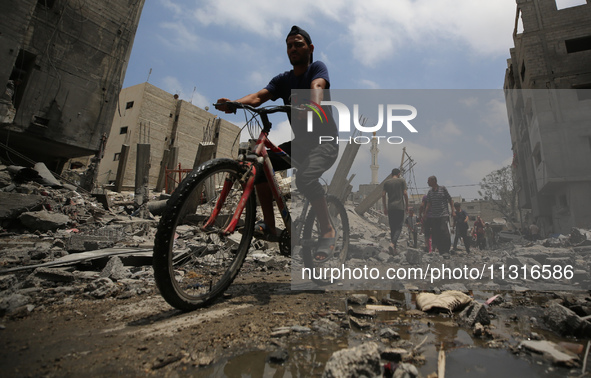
{"points": [[165, 234]]}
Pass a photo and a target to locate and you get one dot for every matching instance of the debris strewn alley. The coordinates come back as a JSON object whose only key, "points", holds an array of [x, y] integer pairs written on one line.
{"points": [[78, 297]]}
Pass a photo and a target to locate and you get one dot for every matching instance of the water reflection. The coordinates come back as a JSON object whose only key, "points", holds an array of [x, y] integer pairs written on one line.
{"points": [[467, 356]]}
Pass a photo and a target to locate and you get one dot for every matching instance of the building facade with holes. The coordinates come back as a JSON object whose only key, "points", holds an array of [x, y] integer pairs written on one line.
{"points": [[173, 129], [548, 97], [61, 69]]}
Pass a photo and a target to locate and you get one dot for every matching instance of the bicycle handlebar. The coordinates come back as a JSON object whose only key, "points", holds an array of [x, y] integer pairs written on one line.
{"points": [[233, 105], [262, 112]]}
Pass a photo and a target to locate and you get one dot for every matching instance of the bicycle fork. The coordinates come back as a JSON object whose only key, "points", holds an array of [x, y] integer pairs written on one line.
{"points": [[228, 183]]}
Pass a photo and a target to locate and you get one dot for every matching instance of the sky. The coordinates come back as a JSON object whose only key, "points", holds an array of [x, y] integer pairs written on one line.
{"points": [[203, 50]]}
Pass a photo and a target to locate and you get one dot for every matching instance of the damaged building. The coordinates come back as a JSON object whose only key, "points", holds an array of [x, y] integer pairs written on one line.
{"points": [[177, 134], [62, 65], [548, 96]]}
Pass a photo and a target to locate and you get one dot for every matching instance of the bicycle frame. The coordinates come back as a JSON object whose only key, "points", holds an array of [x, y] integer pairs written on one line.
{"points": [[261, 157]]}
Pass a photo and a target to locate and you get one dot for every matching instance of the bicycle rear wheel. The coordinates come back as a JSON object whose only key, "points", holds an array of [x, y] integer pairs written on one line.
{"points": [[193, 266], [310, 234]]}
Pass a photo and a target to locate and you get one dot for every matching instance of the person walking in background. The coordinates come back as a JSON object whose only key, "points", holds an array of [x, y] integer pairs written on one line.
{"points": [[437, 200], [425, 226], [395, 207], [460, 225], [489, 236], [479, 232]]}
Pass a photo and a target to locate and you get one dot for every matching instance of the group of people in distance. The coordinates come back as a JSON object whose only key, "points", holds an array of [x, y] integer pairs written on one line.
{"points": [[434, 215]]}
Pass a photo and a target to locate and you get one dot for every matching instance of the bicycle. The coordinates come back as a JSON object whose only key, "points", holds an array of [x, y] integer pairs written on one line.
{"points": [[207, 226]]}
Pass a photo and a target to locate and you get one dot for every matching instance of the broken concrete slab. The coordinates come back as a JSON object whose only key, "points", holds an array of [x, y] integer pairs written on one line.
{"points": [[472, 314], [54, 275], [358, 299], [75, 258], [360, 323], [395, 354], [566, 322], [115, 269], [45, 176], [43, 220], [8, 282], [14, 204], [381, 307], [362, 312], [13, 302], [360, 361], [5, 179], [82, 243], [388, 333], [102, 288], [324, 325], [551, 351]]}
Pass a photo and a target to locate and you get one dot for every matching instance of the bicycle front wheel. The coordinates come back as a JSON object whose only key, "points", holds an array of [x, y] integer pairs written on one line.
{"points": [[340, 223], [193, 265]]}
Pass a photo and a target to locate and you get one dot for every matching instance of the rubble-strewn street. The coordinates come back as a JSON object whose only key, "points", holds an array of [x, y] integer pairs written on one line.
{"points": [[78, 298]]}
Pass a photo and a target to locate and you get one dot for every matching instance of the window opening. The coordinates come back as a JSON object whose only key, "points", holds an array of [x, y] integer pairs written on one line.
{"points": [[578, 44], [46, 3], [24, 64]]}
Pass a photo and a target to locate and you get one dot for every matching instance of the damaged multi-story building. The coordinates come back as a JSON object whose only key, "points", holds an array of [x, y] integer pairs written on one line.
{"points": [[63, 64], [177, 135], [548, 94]]}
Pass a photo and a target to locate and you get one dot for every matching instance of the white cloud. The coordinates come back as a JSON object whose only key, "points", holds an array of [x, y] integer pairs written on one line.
{"points": [[496, 116], [374, 30], [174, 7], [200, 100], [281, 132], [179, 36], [469, 101], [476, 170], [369, 84], [173, 85], [445, 132], [258, 79], [424, 154], [379, 28], [261, 17]]}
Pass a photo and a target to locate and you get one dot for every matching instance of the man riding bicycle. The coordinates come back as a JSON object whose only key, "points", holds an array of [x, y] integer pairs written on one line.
{"points": [[318, 158]]}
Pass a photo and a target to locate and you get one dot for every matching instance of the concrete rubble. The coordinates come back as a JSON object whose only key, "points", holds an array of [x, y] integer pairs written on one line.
{"points": [[58, 244]]}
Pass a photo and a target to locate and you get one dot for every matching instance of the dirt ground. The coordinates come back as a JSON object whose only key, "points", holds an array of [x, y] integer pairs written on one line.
{"points": [[239, 335], [143, 335]]}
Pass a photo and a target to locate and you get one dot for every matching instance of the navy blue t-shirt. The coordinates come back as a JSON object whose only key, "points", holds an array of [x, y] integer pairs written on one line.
{"points": [[281, 86]]}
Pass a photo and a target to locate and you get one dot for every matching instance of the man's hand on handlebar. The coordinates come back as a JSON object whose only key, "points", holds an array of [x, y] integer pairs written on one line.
{"points": [[225, 105]]}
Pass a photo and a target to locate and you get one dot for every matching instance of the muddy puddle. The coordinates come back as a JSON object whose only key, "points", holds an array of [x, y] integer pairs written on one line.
{"points": [[466, 355]]}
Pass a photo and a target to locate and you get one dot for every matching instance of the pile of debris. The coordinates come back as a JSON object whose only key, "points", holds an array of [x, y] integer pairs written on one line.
{"points": [[57, 242], [60, 240]]}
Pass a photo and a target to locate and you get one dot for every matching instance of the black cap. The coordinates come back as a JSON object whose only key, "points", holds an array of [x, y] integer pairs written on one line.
{"points": [[295, 30]]}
